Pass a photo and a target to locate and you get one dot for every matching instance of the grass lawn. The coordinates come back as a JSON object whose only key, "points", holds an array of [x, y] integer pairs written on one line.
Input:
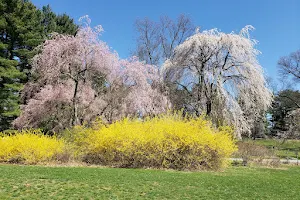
{"points": [[35, 182]]}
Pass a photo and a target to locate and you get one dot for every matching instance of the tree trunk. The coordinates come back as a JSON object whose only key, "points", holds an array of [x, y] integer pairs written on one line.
{"points": [[75, 120], [208, 107]]}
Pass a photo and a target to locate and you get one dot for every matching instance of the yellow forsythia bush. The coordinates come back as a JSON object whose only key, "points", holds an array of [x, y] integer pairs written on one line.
{"points": [[29, 147], [166, 141]]}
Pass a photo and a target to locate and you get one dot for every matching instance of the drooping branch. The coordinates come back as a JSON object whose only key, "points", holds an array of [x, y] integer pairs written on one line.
{"points": [[229, 79]]}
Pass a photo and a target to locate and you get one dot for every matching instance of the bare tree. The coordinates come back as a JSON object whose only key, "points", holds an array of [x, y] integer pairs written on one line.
{"points": [[173, 33], [148, 42], [156, 41], [289, 66]]}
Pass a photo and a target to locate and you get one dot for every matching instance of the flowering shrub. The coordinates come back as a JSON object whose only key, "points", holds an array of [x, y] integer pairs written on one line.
{"points": [[167, 141], [29, 147]]}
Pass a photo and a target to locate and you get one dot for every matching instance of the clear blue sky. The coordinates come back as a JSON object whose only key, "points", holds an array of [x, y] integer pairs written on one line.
{"points": [[277, 22]]}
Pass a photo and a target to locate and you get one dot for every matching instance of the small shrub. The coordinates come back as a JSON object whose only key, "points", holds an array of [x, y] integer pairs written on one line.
{"points": [[167, 141], [29, 147], [258, 154], [272, 162]]}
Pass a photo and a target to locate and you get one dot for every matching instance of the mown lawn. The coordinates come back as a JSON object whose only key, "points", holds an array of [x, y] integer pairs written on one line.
{"points": [[34, 182]]}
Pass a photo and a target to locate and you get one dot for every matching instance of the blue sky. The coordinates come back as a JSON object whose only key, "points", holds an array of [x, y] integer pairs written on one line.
{"points": [[277, 22]]}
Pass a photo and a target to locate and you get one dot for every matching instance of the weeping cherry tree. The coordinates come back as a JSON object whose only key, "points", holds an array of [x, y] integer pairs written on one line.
{"points": [[221, 77], [78, 78]]}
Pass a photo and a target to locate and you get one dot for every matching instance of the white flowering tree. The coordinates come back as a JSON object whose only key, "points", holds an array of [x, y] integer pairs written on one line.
{"points": [[221, 76]]}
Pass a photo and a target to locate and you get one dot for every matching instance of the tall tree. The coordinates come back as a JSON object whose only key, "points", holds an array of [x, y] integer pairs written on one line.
{"points": [[148, 41], [52, 22], [172, 33], [285, 102], [285, 110], [156, 40], [289, 66], [221, 75], [22, 28], [19, 34]]}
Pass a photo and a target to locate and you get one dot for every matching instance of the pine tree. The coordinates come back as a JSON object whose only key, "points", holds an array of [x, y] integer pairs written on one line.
{"points": [[62, 24], [18, 36], [22, 28]]}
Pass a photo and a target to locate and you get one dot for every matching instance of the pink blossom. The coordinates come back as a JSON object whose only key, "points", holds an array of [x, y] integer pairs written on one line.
{"points": [[80, 78]]}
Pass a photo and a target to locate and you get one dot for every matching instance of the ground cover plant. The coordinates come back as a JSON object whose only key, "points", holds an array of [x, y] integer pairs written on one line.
{"points": [[36, 182]]}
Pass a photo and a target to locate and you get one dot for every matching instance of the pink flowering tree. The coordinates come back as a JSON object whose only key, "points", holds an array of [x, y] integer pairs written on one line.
{"points": [[78, 78]]}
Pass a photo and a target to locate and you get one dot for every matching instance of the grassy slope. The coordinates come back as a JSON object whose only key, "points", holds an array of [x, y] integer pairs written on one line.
{"points": [[283, 150], [32, 182]]}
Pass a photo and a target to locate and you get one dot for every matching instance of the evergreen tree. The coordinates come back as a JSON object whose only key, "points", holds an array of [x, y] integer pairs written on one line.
{"points": [[284, 103], [22, 28], [19, 34], [62, 24]]}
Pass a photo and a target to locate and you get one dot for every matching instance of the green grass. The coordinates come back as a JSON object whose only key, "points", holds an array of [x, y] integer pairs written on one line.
{"points": [[289, 148], [35, 182]]}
